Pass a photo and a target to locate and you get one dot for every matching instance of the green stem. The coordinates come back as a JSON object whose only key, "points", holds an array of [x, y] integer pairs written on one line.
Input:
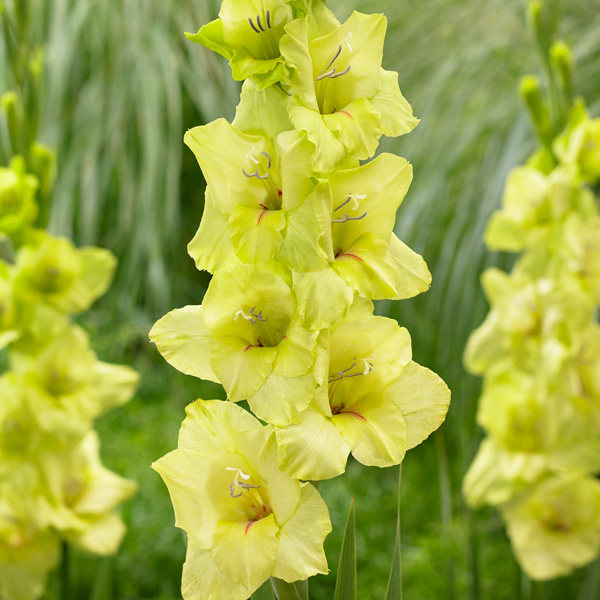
{"points": [[399, 529], [65, 573], [283, 590], [446, 509]]}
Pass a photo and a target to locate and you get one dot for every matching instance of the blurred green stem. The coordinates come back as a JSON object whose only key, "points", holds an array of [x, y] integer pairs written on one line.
{"points": [[446, 509], [65, 573]]}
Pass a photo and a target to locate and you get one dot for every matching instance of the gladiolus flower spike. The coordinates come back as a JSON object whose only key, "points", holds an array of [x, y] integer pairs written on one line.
{"points": [[539, 353], [299, 238]]}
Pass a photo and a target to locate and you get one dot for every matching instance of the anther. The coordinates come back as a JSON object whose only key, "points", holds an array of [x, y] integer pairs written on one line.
{"points": [[326, 74], [269, 19], [346, 218], [259, 23], [252, 25], [335, 57], [340, 74], [268, 159]]}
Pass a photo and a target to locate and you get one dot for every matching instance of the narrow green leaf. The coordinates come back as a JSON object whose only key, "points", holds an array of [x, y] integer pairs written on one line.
{"points": [[394, 589], [346, 583], [265, 592], [285, 591]]}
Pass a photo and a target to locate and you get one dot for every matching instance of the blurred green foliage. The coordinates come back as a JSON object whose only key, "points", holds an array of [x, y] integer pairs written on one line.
{"points": [[122, 85]]}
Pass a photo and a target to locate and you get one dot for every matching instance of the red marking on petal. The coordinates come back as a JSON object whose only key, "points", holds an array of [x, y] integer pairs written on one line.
{"points": [[264, 206], [351, 256], [260, 217], [351, 412], [250, 523], [248, 347], [280, 193], [342, 111]]}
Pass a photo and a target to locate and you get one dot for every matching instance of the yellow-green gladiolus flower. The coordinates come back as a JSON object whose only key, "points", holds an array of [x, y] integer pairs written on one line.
{"points": [[555, 527], [247, 34], [31, 424], [262, 202], [18, 208], [28, 551], [85, 495], [248, 336], [56, 274], [367, 257], [69, 372], [373, 401], [535, 207], [246, 520], [535, 429], [9, 330], [535, 324], [578, 149], [341, 96]]}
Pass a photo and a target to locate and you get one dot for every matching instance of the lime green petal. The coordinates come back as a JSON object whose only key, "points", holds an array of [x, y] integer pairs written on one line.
{"points": [[211, 247], [375, 190], [374, 428], [504, 233], [296, 156], [296, 353], [23, 577], [102, 537], [186, 474], [281, 400], [294, 48], [98, 267], [396, 113], [379, 340], [116, 384], [305, 246], [184, 341], [267, 72], [221, 152], [262, 111], [321, 21], [213, 424], [325, 284], [246, 552], [211, 36], [241, 368], [358, 127], [203, 579], [312, 449], [300, 553], [246, 285], [256, 233], [329, 150], [424, 400], [377, 271], [361, 38]]}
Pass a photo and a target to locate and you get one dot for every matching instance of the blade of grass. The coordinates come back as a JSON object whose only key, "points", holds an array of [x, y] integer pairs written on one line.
{"points": [[103, 581], [346, 582], [394, 589]]}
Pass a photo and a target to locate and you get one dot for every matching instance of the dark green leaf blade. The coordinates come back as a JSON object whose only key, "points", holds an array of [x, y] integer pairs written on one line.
{"points": [[346, 583], [394, 589]]}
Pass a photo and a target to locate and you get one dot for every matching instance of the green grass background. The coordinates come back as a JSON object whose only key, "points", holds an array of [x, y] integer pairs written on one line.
{"points": [[122, 86]]}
